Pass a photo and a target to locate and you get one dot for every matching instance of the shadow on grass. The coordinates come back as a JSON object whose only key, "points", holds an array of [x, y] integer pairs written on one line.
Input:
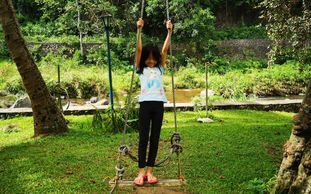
{"points": [[76, 161], [219, 157]]}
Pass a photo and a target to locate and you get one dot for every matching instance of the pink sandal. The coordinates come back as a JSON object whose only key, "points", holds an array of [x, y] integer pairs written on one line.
{"points": [[151, 179], [139, 181]]}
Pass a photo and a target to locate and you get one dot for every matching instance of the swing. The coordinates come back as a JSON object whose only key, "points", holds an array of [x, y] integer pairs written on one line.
{"points": [[124, 150]]}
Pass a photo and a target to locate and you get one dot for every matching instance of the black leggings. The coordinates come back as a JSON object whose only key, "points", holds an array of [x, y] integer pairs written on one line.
{"points": [[149, 111]]}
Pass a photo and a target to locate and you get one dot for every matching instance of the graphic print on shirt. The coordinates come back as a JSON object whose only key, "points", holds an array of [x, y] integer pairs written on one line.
{"points": [[153, 85]]}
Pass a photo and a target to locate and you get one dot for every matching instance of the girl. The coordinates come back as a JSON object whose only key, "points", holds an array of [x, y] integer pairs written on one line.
{"points": [[149, 65]]}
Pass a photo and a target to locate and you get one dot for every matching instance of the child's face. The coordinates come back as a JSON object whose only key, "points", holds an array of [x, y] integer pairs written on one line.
{"points": [[150, 61]]}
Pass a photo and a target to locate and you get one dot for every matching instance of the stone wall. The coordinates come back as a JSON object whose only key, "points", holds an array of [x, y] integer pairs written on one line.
{"points": [[239, 48], [56, 47], [243, 48]]}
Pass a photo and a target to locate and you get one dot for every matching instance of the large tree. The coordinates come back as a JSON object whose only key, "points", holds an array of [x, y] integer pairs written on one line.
{"points": [[288, 25], [47, 116], [289, 21], [295, 172]]}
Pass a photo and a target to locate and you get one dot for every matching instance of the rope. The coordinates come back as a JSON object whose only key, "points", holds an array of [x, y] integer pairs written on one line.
{"points": [[172, 70], [176, 134], [142, 8], [132, 80], [175, 148], [124, 150], [167, 10]]}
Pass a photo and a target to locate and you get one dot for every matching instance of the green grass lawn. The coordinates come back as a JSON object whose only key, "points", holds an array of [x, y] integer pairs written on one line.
{"points": [[240, 153]]}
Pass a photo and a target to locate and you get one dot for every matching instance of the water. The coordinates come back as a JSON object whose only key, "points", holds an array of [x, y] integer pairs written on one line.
{"points": [[183, 95]]}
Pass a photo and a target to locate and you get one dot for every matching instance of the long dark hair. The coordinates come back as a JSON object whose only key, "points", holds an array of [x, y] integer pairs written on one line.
{"points": [[147, 49]]}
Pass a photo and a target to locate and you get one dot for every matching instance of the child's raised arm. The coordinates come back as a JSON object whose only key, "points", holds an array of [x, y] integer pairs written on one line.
{"points": [[167, 42], [140, 24]]}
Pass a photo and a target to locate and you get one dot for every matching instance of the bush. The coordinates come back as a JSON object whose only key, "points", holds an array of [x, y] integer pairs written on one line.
{"points": [[103, 121], [4, 51], [222, 65], [285, 54], [189, 77], [37, 31], [255, 186], [124, 47], [15, 85], [241, 32], [98, 56], [280, 80], [78, 86], [37, 52], [79, 81], [233, 85], [122, 81], [306, 56]]}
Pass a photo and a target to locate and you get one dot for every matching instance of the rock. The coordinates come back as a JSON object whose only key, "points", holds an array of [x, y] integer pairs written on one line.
{"points": [[205, 120], [22, 102], [3, 93], [70, 104], [102, 102], [94, 100], [164, 121], [11, 128], [209, 92]]}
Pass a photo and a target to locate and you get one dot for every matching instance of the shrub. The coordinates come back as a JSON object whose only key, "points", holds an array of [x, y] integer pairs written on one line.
{"points": [[241, 32], [233, 85], [98, 56], [222, 65], [189, 77], [280, 80], [4, 51], [103, 121], [15, 85], [256, 186]]}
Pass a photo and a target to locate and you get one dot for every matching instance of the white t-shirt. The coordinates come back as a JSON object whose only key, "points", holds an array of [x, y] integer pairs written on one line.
{"points": [[152, 85]]}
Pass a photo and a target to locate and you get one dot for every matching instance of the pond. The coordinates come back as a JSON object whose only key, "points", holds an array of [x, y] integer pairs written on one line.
{"points": [[181, 95]]}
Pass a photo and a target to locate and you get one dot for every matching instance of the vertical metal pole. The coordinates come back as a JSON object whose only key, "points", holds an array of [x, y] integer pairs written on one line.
{"points": [[59, 94], [206, 89], [80, 31], [110, 79]]}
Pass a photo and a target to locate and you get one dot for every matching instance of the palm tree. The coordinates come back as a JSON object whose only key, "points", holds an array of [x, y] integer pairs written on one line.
{"points": [[295, 172], [47, 116]]}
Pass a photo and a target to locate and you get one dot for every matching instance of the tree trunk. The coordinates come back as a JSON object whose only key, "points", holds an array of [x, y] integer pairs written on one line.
{"points": [[295, 172], [47, 117]]}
